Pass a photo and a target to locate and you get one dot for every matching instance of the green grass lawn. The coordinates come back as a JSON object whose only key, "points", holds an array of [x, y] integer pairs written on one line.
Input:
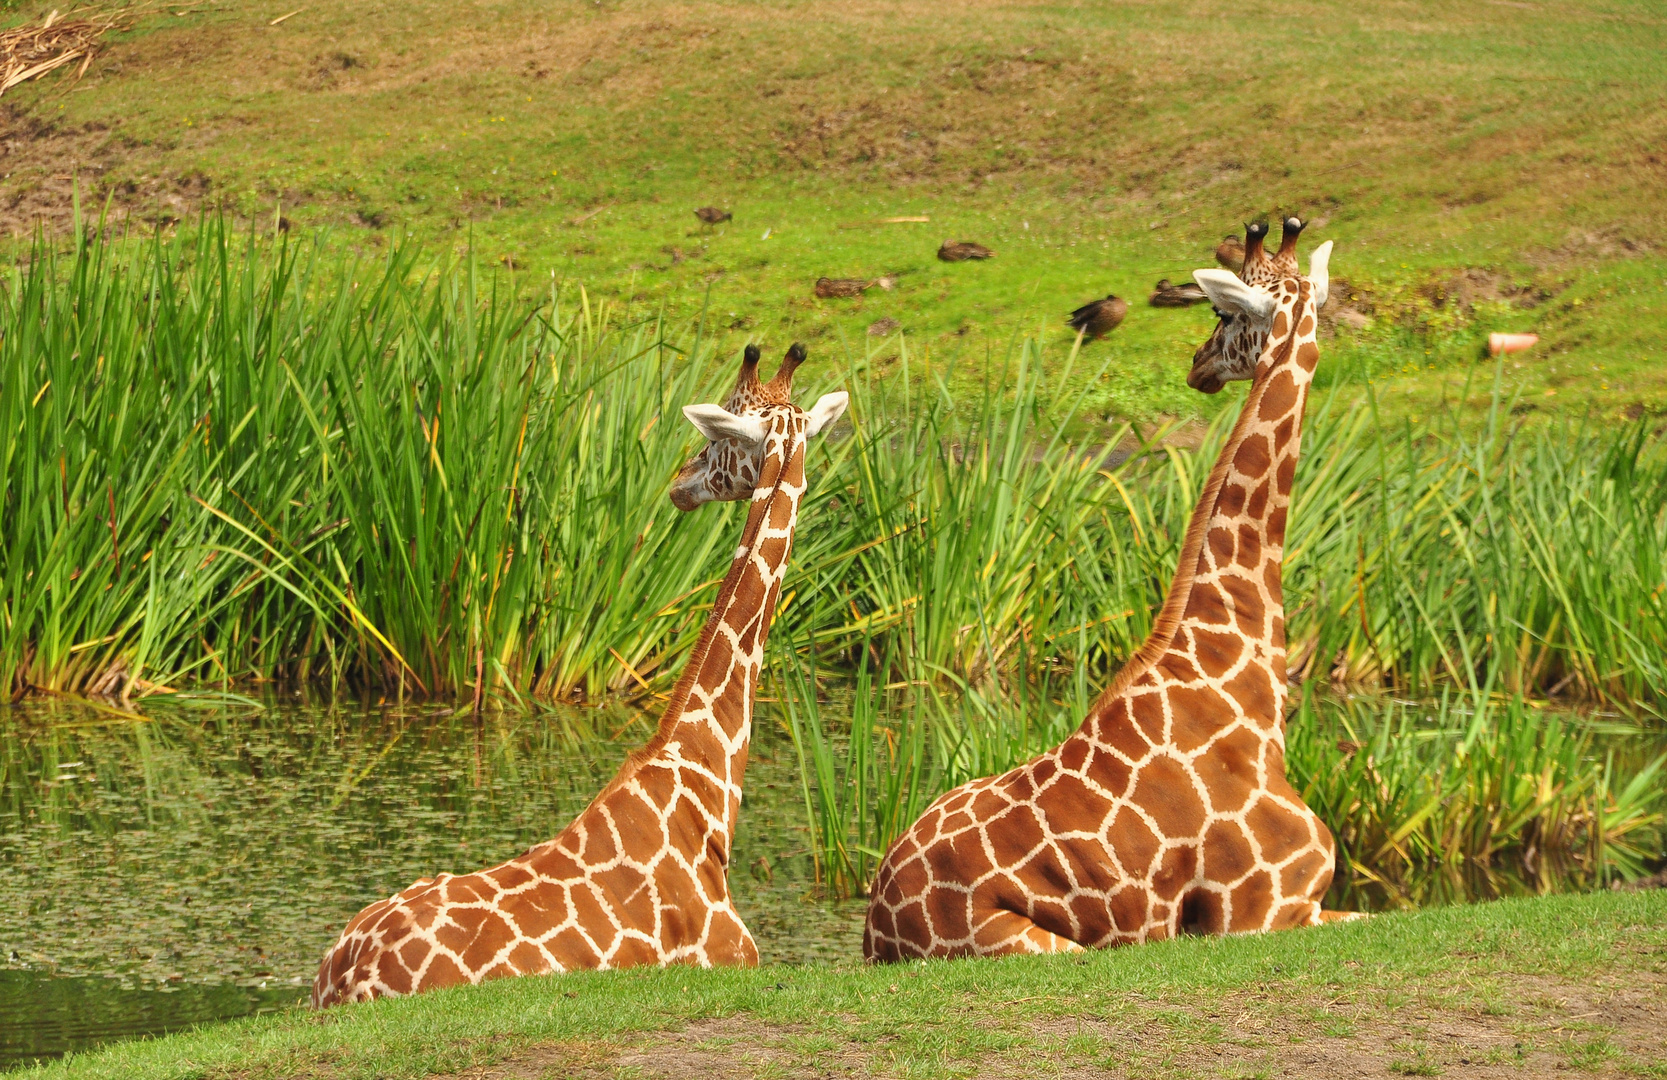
{"points": [[1491, 166], [1527, 987]]}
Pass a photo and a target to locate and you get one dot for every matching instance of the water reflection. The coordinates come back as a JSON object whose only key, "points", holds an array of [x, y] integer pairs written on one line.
{"points": [[195, 862], [44, 1016], [1464, 882], [204, 847]]}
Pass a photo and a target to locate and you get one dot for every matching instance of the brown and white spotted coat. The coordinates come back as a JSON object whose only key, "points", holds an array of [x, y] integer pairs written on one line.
{"points": [[640, 876], [1168, 809], [1234, 346]]}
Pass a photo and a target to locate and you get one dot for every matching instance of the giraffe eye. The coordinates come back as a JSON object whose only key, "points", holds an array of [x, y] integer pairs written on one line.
{"points": [[1224, 316]]}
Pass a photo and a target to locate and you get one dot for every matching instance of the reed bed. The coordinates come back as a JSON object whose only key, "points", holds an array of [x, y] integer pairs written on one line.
{"points": [[1425, 799], [1478, 779], [232, 460], [234, 464], [864, 773]]}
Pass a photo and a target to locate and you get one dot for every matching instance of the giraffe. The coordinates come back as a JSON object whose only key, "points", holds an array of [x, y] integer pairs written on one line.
{"points": [[1168, 810], [1234, 346], [639, 877]]}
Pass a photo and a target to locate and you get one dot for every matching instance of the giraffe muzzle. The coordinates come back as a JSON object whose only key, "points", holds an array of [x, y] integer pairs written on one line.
{"points": [[1205, 382], [1205, 376], [687, 497]]}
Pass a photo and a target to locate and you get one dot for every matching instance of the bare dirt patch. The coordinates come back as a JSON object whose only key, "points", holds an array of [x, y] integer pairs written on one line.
{"points": [[1468, 288], [1540, 1028], [1543, 1028], [44, 165], [729, 1048], [1357, 305]]}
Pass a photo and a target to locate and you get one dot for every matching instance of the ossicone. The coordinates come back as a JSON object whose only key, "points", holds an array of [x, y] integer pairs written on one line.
{"points": [[1254, 234], [748, 374], [1290, 229], [783, 379]]}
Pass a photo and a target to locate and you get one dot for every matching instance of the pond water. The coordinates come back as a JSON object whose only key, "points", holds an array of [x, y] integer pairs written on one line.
{"points": [[194, 863]]}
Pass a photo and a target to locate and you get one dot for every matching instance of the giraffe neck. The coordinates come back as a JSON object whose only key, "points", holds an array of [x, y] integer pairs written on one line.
{"points": [[1223, 620], [707, 724]]}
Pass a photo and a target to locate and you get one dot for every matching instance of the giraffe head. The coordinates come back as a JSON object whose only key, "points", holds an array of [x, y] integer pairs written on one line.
{"points": [[756, 420], [1244, 305]]}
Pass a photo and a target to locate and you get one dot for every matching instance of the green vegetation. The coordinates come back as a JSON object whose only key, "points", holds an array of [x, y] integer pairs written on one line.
{"points": [[224, 468], [1543, 983], [1471, 781], [303, 448], [243, 460], [1481, 168], [235, 460]]}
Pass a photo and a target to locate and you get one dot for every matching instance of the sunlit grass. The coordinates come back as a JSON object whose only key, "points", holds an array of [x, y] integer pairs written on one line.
{"points": [[946, 1018], [1097, 148]]}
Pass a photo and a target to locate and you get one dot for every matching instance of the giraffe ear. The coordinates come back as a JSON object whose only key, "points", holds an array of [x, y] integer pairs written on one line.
{"points": [[1319, 273], [715, 422], [827, 409], [1229, 294]]}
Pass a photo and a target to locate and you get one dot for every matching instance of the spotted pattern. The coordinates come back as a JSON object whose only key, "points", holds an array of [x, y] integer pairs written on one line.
{"points": [[640, 876], [1231, 351], [725, 469], [1169, 808], [1266, 270]]}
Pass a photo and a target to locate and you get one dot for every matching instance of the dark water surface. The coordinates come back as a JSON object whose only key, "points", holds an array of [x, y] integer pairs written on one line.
{"points": [[193, 863], [45, 1016]]}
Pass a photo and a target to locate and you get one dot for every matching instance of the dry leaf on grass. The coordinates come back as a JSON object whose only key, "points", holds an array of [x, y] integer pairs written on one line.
{"points": [[28, 52]]}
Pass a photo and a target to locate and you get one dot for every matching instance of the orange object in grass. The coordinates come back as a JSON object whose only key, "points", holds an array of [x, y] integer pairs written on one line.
{"points": [[1510, 343]]}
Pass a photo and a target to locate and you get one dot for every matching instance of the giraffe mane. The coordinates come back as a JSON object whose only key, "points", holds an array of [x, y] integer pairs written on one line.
{"points": [[758, 511], [1169, 617]]}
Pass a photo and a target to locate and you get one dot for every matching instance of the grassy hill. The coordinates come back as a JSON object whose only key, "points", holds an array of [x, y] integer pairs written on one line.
{"points": [[1492, 166]]}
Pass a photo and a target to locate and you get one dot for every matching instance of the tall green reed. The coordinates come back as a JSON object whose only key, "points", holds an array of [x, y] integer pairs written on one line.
{"points": [[864, 779], [229, 460], [232, 459], [1471, 778]]}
